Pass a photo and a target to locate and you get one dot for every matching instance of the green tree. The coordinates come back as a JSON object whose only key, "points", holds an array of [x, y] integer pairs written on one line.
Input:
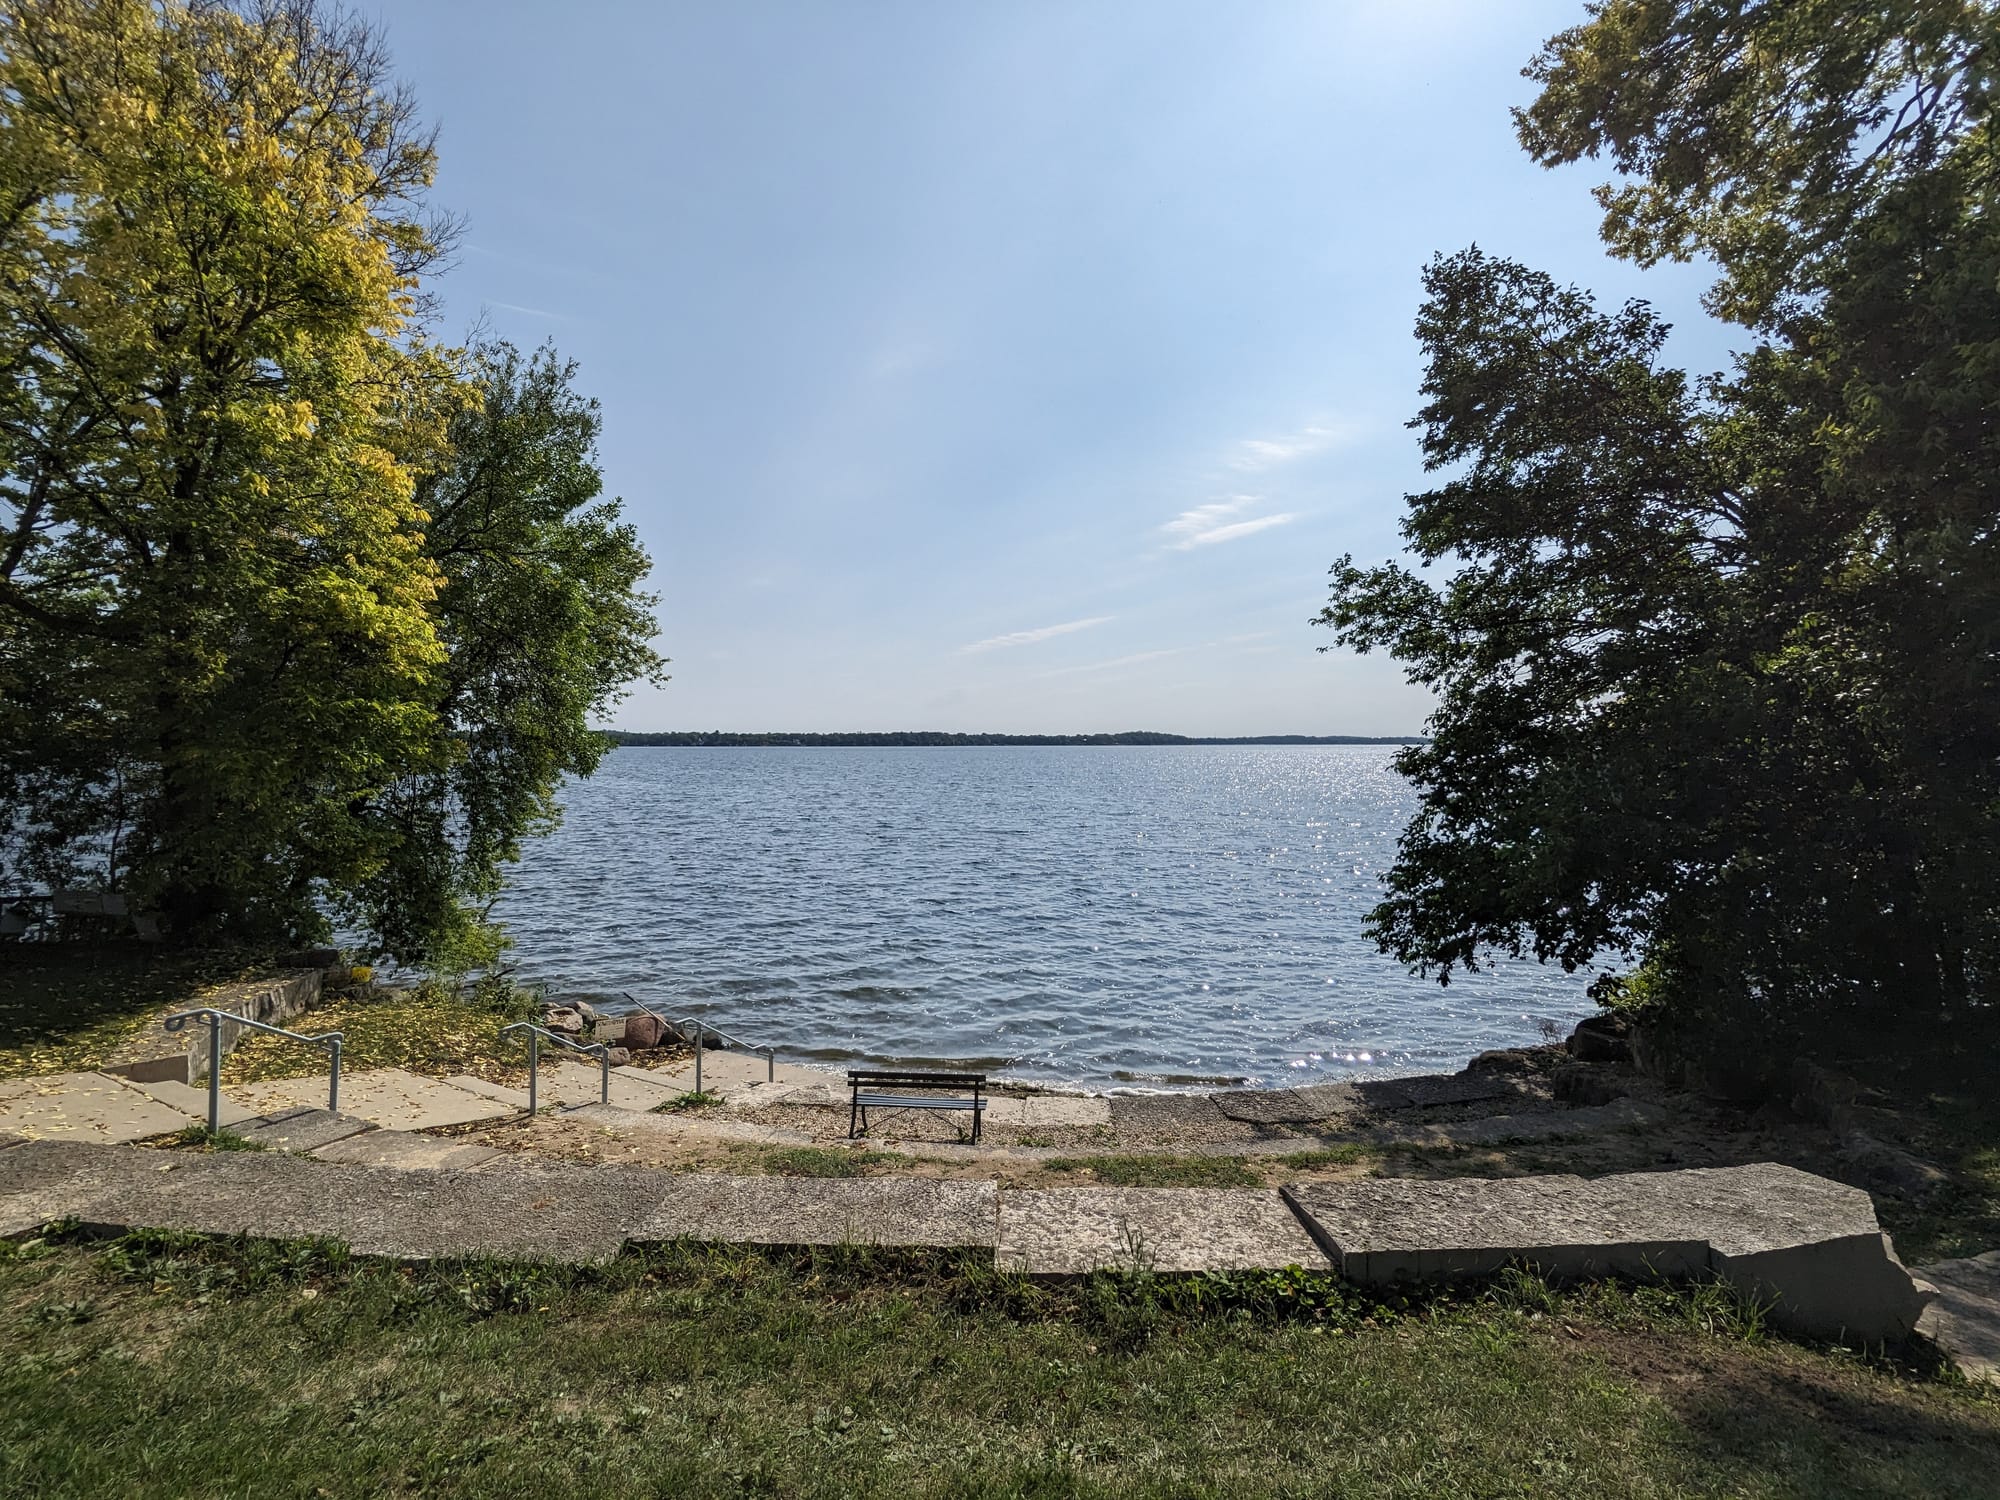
{"points": [[1716, 662], [226, 631]]}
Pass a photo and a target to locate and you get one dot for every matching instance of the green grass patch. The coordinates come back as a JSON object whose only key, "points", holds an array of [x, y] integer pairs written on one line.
{"points": [[171, 1365], [1345, 1155], [201, 1138], [822, 1161], [1162, 1171], [689, 1100]]}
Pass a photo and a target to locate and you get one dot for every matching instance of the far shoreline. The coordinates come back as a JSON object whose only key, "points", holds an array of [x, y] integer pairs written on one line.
{"points": [[927, 739]]}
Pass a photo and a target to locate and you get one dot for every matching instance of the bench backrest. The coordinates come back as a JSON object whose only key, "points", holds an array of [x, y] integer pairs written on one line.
{"points": [[881, 1077]]}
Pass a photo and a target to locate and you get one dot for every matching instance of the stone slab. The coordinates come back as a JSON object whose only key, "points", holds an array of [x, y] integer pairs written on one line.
{"points": [[1540, 1125], [300, 1129], [400, 1148], [389, 1097], [158, 1055], [190, 1101], [87, 1107], [827, 1211], [1072, 1231], [1433, 1090], [1809, 1248], [1262, 1106], [1964, 1321], [1049, 1112], [512, 1210], [1385, 1230]]}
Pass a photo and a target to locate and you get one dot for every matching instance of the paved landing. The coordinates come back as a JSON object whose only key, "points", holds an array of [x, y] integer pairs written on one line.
{"points": [[87, 1107], [389, 1097], [1071, 1231]]}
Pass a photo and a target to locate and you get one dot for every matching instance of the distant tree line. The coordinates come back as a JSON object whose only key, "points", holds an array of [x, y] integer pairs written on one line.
{"points": [[937, 737]]}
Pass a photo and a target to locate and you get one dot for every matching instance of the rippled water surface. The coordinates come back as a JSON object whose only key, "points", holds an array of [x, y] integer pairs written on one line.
{"points": [[1146, 916]]}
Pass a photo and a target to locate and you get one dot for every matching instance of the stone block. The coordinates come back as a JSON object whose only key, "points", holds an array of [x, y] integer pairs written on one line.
{"points": [[1164, 1111], [302, 1128], [1964, 1321], [1072, 1231], [400, 1148], [826, 1211]]}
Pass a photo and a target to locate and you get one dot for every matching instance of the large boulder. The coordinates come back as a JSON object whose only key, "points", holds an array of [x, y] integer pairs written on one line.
{"points": [[565, 1020], [643, 1031], [1601, 1039]]}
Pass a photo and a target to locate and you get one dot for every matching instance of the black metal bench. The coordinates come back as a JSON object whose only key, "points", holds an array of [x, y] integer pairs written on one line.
{"points": [[872, 1079]]}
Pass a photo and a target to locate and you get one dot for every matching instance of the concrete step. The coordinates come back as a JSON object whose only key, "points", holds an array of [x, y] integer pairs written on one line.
{"points": [[86, 1107], [401, 1148], [387, 1097], [300, 1129], [500, 1093], [192, 1102]]}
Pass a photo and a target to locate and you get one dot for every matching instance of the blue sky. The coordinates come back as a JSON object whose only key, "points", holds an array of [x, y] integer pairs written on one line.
{"points": [[999, 366]]}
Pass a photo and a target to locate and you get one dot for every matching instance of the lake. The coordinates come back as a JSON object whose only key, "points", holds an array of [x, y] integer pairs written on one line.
{"points": [[1137, 917]]}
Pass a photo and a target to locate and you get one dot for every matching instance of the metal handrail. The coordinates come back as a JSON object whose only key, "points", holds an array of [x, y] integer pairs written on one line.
{"points": [[597, 1050], [328, 1041], [701, 1028]]}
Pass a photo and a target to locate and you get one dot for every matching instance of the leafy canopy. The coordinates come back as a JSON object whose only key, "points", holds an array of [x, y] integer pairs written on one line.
{"points": [[240, 636], [1716, 660]]}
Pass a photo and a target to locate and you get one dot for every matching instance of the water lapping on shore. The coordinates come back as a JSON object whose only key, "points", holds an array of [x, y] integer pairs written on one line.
{"points": [[1137, 917]]}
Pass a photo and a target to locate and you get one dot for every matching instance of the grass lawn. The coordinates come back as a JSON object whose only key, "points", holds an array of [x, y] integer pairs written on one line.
{"points": [[165, 1366]]}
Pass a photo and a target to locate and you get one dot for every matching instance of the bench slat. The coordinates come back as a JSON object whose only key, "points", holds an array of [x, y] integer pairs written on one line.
{"points": [[899, 1101]]}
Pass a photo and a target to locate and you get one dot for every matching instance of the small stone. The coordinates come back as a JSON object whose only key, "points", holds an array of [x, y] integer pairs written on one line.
{"points": [[620, 1057]]}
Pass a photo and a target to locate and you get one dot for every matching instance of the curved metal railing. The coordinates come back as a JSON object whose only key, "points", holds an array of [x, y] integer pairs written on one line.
{"points": [[703, 1029], [535, 1033], [327, 1041]]}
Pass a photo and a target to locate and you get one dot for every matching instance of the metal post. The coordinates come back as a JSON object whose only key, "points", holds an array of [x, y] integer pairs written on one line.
{"points": [[770, 1065], [698, 1029], [214, 1074], [333, 1080], [603, 1074], [534, 1069]]}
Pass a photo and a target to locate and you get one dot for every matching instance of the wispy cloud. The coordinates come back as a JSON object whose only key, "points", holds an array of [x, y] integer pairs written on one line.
{"points": [[533, 312], [1255, 455], [1122, 661], [1030, 637], [1206, 525]]}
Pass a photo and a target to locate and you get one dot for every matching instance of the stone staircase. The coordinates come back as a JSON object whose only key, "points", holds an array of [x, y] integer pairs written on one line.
{"points": [[378, 1103]]}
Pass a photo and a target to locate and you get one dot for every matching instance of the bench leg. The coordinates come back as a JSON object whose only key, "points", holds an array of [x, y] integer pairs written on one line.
{"points": [[853, 1108]]}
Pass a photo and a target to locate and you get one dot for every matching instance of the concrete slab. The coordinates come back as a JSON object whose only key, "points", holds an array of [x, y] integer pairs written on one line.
{"points": [[500, 1093], [400, 1148], [86, 1107], [1049, 1112], [10, 1087], [1396, 1229], [1809, 1247], [192, 1102], [1070, 1231], [389, 1097], [728, 1073], [301, 1129], [1540, 1125], [1964, 1321], [41, 1181], [827, 1211], [512, 1209]]}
